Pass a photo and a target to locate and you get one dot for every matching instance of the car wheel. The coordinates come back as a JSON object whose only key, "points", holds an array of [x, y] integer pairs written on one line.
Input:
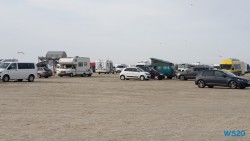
{"points": [[210, 86], [201, 84], [46, 77], [232, 84], [182, 77], [156, 77], [122, 77], [89, 75], [142, 78], [31, 78], [60, 75], [6, 78]]}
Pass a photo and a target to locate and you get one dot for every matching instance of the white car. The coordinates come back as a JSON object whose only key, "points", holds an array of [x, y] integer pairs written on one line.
{"points": [[134, 73]]}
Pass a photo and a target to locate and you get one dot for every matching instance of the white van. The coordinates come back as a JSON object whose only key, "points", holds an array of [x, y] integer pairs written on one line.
{"points": [[18, 71]]}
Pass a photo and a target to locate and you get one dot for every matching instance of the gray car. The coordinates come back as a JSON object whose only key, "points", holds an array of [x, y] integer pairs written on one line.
{"points": [[191, 73]]}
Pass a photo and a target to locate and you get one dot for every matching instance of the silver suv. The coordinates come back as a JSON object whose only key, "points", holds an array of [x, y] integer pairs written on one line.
{"points": [[134, 73]]}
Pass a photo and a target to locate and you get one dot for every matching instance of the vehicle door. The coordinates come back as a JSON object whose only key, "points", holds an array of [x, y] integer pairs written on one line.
{"points": [[12, 71], [189, 73], [128, 73], [194, 72], [135, 73], [220, 78], [209, 76]]}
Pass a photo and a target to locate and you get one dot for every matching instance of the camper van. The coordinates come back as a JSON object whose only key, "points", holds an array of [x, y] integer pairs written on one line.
{"points": [[104, 66], [74, 66], [18, 71], [231, 65]]}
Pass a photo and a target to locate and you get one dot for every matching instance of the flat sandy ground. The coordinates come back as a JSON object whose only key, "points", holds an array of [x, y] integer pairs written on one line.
{"points": [[103, 108]]}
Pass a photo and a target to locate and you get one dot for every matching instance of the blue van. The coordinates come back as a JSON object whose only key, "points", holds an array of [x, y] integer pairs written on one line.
{"points": [[164, 67]]}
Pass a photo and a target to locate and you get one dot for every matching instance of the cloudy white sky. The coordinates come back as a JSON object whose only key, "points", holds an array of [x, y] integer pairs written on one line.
{"points": [[127, 31]]}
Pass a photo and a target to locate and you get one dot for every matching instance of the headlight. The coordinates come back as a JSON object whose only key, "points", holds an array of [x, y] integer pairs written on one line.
{"points": [[241, 80]]}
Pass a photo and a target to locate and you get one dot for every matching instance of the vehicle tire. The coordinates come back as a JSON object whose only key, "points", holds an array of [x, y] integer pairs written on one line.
{"points": [[31, 78], [210, 86], [6, 78], [156, 77], [39, 75], [169, 77], [232, 85], [46, 77], [89, 75], [122, 77], [99, 73], [20, 80], [201, 84], [142, 78], [182, 77], [60, 75]]}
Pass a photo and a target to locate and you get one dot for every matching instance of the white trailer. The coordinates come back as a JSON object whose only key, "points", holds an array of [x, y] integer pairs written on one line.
{"points": [[74, 66], [104, 66]]}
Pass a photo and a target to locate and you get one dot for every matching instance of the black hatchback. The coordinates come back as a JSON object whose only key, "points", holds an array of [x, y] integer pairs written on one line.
{"points": [[213, 78]]}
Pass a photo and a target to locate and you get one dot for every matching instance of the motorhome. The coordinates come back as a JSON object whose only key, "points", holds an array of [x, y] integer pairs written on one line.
{"points": [[104, 66], [231, 65], [74, 66], [18, 71]]}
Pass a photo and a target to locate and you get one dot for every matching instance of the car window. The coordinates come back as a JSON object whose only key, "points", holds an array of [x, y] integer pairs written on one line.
{"points": [[12, 66], [208, 73], [134, 70], [219, 74], [128, 69]]}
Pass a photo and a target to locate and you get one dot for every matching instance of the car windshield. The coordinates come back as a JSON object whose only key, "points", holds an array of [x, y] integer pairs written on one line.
{"points": [[229, 73], [47, 69], [226, 67], [153, 70], [141, 70], [4, 65]]}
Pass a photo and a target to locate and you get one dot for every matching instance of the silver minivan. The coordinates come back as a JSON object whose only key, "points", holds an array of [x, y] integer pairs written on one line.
{"points": [[18, 71]]}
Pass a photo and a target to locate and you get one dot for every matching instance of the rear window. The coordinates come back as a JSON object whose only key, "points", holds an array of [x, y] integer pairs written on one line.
{"points": [[26, 66], [208, 73]]}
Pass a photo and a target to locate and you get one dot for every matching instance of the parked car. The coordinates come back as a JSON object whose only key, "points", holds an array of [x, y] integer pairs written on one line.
{"points": [[134, 73], [119, 68], [213, 78], [154, 73], [191, 72], [44, 72], [18, 71]]}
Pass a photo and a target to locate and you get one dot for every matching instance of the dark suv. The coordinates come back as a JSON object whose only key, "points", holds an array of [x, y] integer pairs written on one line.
{"points": [[213, 78], [190, 73], [154, 73]]}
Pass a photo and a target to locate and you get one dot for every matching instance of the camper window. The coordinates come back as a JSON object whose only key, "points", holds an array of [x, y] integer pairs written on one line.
{"points": [[80, 64]]}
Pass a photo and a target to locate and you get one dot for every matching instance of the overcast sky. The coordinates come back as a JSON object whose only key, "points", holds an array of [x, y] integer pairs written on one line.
{"points": [[127, 31]]}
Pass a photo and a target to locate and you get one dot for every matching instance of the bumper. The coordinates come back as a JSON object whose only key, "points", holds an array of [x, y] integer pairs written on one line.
{"points": [[244, 84]]}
